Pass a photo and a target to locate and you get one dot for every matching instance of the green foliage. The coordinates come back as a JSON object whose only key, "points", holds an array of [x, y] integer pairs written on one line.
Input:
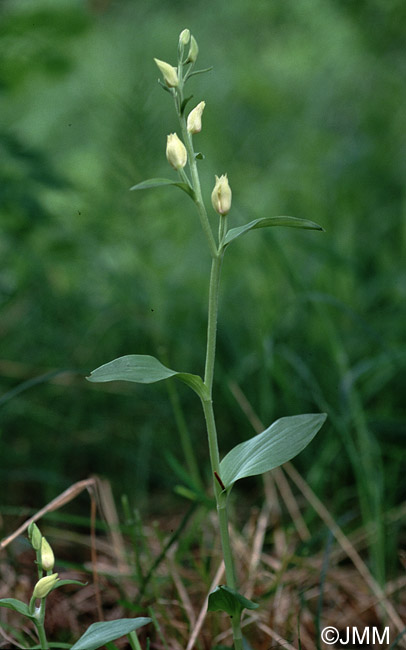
{"points": [[266, 222], [95, 636], [284, 439], [143, 369], [34, 40], [16, 606], [281, 442], [98, 634], [228, 600], [162, 182], [306, 105], [62, 583]]}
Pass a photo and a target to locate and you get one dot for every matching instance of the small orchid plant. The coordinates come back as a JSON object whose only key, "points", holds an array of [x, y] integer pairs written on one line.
{"points": [[286, 437], [96, 636]]}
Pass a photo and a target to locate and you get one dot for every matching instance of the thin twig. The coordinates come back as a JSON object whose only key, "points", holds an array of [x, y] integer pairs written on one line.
{"points": [[291, 504], [59, 501], [93, 553], [257, 547], [203, 611], [275, 636], [183, 595], [345, 544]]}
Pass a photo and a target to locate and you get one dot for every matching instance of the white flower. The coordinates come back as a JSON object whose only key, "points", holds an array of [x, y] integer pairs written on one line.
{"points": [[194, 120], [45, 585], [169, 73], [221, 195], [176, 152]]}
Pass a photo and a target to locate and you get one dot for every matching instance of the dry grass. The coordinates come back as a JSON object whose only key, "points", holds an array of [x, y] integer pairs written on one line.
{"points": [[298, 594]]}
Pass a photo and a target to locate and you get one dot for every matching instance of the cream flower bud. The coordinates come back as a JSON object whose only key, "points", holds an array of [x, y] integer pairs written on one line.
{"points": [[193, 50], [194, 120], [184, 37], [176, 152], [169, 73], [221, 195], [44, 586], [35, 536], [47, 555]]}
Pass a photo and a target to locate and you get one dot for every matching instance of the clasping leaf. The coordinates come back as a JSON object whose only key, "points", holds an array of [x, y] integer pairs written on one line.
{"points": [[98, 634], [159, 182], [143, 369], [281, 442], [15, 605], [61, 583], [267, 222], [227, 600]]}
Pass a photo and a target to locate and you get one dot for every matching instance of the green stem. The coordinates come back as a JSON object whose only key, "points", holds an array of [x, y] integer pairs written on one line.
{"points": [[207, 403], [237, 633], [221, 503], [212, 323], [41, 635], [134, 642], [225, 542], [204, 220], [221, 497], [212, 439]]}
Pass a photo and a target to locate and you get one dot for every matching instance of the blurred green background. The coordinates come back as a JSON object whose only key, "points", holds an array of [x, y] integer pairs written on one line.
{"points": [[305, 111]]}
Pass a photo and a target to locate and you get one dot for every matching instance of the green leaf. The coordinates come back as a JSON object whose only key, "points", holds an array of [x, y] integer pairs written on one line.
{"points": [[16, 605], [186, 493], [227, 600], [283, 440], [99, 634], [159, 182], [61, 583], [267, 222], [200, 71], [165, 87], [143, 369], [184, 103]]}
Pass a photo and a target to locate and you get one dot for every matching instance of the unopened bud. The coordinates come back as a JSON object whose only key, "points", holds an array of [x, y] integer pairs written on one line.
{"points": [[176, 152], [184, 37], [194, 120], [193, 50], [47, 556], [44, 586], [35, 536], [221, 195], [169, 73]]}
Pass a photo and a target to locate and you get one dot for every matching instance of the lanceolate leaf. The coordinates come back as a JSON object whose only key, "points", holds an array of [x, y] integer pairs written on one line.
{"points": [[159, 182], [227, 600], [283, 440], [98, 634], [61, 583], [267, 222], [143, 369], [16, 605], [200, 71], [184, 103]]}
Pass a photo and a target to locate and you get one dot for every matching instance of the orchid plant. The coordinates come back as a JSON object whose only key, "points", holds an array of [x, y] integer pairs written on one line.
{"points": [[96, 636], [286, 437]]}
